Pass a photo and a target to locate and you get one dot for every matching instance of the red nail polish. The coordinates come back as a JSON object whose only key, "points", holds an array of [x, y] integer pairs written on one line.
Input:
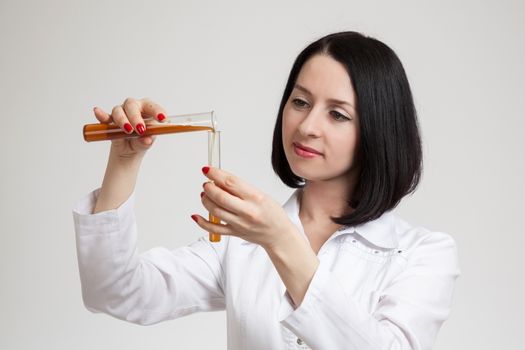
{"points": [[128, 127], [202, 194], [140, 128], [161, 116], [195, 218], [205, 169]]}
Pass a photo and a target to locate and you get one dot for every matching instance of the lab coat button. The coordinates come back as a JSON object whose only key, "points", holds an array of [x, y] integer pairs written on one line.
{"points": [[300, 341]]}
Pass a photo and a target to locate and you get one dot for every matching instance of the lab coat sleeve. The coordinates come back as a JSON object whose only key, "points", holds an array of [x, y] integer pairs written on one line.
{"points": [[408, 315], [142, 288]]}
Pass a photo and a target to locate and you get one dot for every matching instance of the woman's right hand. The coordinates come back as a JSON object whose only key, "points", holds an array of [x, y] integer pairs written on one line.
{"points": [[130, 117], [126, 154]]}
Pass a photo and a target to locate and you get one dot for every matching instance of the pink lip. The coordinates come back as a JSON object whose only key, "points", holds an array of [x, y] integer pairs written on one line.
{"points": [[307, 149]]}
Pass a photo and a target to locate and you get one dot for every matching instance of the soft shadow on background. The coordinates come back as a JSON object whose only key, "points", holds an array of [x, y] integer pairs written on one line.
{"points": [[465, 61]]}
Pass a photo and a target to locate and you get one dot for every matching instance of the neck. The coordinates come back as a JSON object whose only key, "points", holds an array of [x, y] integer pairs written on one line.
{"points": [[321, 200]]}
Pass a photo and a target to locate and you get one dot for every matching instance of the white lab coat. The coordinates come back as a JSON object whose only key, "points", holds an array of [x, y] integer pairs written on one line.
{"points": [[381, 285]]}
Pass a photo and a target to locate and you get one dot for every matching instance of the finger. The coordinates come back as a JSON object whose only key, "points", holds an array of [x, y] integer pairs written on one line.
{"points": [[211, 227], [218, 211], [119, 117], [223, 199], [147, 141], [152, 109], [133, 113], [230, 183], [102, 116]]}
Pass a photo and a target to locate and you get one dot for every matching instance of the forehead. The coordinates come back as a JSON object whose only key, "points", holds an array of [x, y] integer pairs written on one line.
{"points": [[325, 77]]}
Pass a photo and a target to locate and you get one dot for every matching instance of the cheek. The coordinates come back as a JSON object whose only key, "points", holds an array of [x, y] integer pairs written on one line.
{"points": [[287, 125], [345, 149]]}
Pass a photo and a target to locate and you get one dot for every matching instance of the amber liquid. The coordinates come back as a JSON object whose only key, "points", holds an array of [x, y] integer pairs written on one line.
{"points": [[104, 132], [214, 237]]}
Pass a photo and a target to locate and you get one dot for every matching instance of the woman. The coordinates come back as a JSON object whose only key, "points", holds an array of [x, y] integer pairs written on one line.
{"points": [[333, 268]]}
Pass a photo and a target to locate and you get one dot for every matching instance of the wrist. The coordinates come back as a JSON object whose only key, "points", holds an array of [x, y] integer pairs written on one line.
{"points": [[119, 182], [287, 239], [127, 149], [126, 161]]}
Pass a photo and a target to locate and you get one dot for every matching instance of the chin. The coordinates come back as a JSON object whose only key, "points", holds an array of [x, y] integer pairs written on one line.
{"points": [[306, 174], [312, 173]]}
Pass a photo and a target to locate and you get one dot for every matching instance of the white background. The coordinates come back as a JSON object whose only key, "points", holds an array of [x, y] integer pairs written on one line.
{"points": [[59, 59]]}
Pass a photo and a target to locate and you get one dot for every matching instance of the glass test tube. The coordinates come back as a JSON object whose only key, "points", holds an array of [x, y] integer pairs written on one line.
{"points": [[214, 160], [172, 124]]}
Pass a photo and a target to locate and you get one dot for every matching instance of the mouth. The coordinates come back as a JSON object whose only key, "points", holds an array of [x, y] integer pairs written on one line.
{"points": [[305, 151]]}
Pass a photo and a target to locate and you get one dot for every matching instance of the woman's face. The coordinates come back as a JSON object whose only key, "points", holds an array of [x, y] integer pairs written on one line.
{"points": [[320, 114]]}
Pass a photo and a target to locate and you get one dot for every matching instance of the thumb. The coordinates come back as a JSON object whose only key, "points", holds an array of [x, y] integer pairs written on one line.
{"points": [[145, 142]]}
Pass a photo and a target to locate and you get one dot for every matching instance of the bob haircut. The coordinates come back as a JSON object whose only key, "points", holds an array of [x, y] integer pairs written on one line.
{"points": [[389, 153]]}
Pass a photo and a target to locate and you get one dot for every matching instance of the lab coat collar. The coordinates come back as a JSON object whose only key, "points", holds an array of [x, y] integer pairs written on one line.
{"points": [[380, 232]]}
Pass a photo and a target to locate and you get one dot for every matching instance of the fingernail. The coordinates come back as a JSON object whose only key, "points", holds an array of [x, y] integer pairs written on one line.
{"points": [[195, 218], [128, 127], [161, 116], [140, 128], [202, 194], [205, 169]]}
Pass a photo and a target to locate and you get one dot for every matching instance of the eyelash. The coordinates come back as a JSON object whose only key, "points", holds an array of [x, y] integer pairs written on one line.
{"points": [[297, 102], [339, 116]]}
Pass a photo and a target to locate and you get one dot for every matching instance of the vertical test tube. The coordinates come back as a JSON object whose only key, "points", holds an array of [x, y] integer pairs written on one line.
{"points": [[214, 160]]}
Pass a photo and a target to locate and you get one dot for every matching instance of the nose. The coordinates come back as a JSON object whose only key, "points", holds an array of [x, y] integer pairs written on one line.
{"points": [[310, 126]]}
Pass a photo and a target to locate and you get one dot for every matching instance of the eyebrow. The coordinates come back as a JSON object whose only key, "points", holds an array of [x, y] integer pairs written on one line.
{"points": [[333, 100]]}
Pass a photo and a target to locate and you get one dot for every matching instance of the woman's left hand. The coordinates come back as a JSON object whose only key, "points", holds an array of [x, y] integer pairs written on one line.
{"points": [[247, 212]]}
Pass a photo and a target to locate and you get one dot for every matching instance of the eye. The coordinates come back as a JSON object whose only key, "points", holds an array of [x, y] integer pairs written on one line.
{"points": [[338, 116], [297, 102]]}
